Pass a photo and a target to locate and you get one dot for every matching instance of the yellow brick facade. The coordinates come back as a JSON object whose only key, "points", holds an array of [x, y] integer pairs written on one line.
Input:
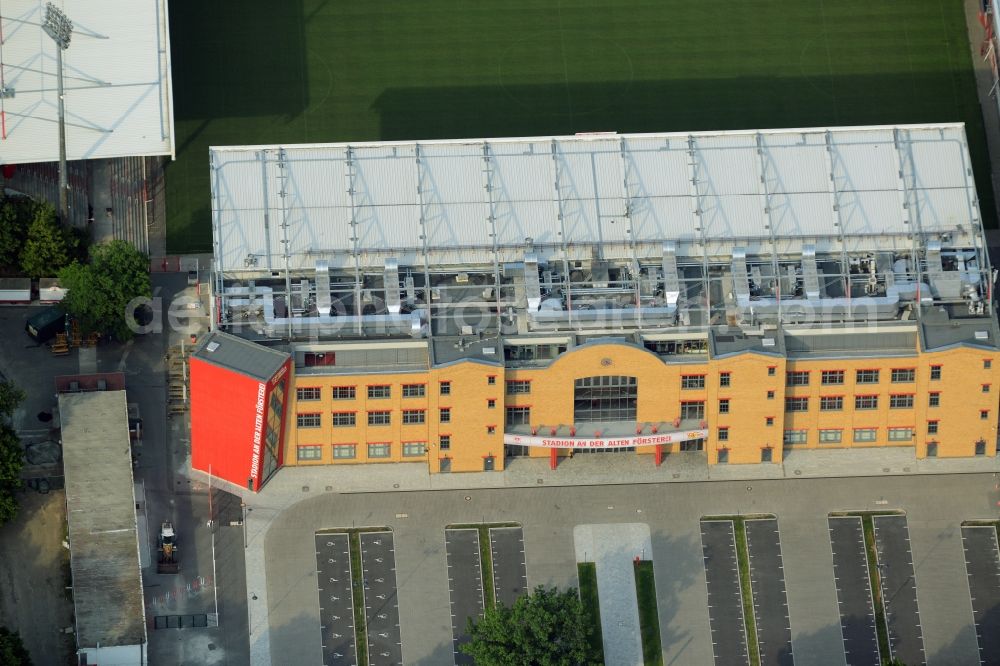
{"points": [[757, 419]]}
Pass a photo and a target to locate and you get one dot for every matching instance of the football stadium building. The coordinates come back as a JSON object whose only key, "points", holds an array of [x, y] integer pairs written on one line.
{"points": [[729, 294]]}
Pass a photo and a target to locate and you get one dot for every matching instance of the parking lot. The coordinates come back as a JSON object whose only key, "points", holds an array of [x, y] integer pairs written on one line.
{"points": [[336, 599], [378, 564], [767, 580], [982, 560], [510, 579], [857, 614], [899, 589], [725, 602], [465, 585], [822, 560]]}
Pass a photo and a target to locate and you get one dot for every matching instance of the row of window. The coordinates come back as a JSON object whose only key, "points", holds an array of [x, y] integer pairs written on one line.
{"points": [[375, 418], [835, 403], [698, 381], [835, 435], [375, 392], [348, 451], [836, 377]]}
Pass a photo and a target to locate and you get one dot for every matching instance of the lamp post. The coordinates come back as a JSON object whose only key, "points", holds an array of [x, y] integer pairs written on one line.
{"points": [[60, 29]]}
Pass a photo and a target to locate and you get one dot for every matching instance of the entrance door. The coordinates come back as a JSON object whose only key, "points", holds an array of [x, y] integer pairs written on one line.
{"points": [[445, 465], [488, 464]]}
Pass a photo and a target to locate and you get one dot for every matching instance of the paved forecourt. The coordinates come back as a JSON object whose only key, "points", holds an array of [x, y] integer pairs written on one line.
{"points": [[465, 584], [857, 614], [378, 566], [767, 580], [899, 589], [982, 561], [510, 576], [336, 599], [725, 600]]}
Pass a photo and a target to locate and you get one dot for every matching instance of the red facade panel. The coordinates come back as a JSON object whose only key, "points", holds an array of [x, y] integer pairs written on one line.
{"points": [[223, 412]]}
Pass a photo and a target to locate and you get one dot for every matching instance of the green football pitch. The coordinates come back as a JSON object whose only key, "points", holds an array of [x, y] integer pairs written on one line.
{"points": [[295, 71]]}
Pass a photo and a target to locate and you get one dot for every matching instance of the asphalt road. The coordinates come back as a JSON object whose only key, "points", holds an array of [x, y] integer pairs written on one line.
{"points": [[767, 580], [982, 562], [465, 585], [725, 602], [899, 589], [378, 564], [336, 600], [857, 616], [510, 578]]}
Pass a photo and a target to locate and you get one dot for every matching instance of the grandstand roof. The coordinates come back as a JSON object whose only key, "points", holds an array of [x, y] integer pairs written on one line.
{"points": [[839, 188], [117, 81]]}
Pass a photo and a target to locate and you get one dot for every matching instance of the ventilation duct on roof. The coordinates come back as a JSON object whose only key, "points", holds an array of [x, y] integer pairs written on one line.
{"points": [[810, 275], [323, 299], [671, 279], [741, 279], [532, 288], [390, 280]]}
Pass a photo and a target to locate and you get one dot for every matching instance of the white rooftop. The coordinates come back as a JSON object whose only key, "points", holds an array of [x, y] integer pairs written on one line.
{"points": [[117, 81], [478, 200]]}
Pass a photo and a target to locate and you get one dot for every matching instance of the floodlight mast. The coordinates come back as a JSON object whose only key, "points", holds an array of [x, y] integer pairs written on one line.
{"points": [[58, 26]]}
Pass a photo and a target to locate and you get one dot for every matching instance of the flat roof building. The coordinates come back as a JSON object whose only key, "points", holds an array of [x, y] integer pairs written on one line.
{"points": [[103, 536], [461, 302]]}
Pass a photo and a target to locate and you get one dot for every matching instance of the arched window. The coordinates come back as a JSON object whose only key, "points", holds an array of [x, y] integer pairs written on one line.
{"points": [[604, 398]]}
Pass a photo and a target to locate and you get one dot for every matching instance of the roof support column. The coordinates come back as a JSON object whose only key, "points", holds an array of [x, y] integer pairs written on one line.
{"points": [[492, 221], [624, 163], [355, 239], [285, 250], [910, 208], [696, 210], [423, 240], [557, 202], [838, 222], [762, 162]]}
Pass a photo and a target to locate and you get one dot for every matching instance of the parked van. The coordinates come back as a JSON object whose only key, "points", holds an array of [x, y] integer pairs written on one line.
{"points": [[44, 325]]}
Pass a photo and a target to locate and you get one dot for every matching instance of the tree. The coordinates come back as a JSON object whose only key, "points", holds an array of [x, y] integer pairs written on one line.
{"points": [[12, 650], [13, 231], [11, 454], [49, 245], [99, 292], [547, 628]]}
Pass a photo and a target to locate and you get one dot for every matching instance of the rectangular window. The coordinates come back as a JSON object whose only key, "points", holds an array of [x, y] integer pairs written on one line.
{"points": [[344, 450], [796, 436], [383, 450], [725, 379], [771, 370], [987, 363], [312, 359], [984, 414], [935, 372], [865, 434], [932, 427], [605, 398], [796, 404], [901, 401], [379, 418], [865, 402], [491, 403], [414, 416], [724, 406], [444, 442], [832, 377], [831, 403], [770, 395], [445, 388], [379, 392], [903, 375], [491, 380], [491, 430], [312, 452], [518, 386], [723, 434], [769, 420], [311, 393], [518, 415], [693, 409], [308, 420], [797, 378], [344, 392], [692, 382], [986, 388], [831, 436], [866, 377], [900, 434], [933, 399], [344, 419], [414, 390], [414, 449], [445, 415]]}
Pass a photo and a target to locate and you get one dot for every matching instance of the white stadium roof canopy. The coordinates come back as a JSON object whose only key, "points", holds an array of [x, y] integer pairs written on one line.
{"points": [[117, 81], [477, 201]]}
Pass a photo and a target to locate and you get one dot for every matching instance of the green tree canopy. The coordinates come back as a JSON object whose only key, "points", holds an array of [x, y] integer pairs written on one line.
{"points": [[545, 628], [12, 650], [100, 291], [14, 217], [49, 246], [11, 455]]}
